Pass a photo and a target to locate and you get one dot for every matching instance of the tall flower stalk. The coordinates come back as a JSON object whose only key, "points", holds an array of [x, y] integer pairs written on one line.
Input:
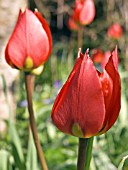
{"points": [[29, 82], [82, 150], [28, 48], [83, 14], [84, 153], [80, 36]]}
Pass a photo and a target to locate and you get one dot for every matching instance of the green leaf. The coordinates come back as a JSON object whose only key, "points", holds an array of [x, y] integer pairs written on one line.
{"points": [[31, 162], [3, 160], [120, 167], [5, 163], [15, 141]]}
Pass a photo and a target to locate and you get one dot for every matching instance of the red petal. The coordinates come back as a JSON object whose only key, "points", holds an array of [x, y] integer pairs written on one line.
{"points": [[59, 121], [107, 55], [112, 105], [28, 39], [115, 58], [47, 29], [80, 100], [88, 12], [107, 87], [77, 9], [7, 57]]}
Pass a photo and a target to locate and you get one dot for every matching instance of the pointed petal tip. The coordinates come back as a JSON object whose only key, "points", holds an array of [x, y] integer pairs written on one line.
{"points": [[79, 51], [36, 10], [87, 51], [115, 57], [23, 9]]}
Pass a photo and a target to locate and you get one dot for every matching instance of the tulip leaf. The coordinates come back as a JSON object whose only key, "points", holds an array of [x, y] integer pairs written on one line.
{"points": [[120, 167], [4, 160], [15, 141], [31, 162], [16, 148]]}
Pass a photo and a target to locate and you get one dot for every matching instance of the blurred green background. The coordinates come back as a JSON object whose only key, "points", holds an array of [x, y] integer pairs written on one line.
{"points": [[17, 151]]}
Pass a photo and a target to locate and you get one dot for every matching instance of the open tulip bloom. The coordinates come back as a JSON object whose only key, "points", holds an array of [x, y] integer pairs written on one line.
{"points": [[31, 42], [89, 102]]}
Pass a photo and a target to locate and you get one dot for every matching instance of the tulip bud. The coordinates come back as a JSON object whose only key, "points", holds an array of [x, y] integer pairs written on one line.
{"points": [[84, 12], [30, 43]]}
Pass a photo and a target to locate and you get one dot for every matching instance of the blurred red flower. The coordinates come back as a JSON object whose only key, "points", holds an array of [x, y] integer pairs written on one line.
{"points": [[89, 102], [115, 31], [84, 12], [97, 55], [30, 43], [72, 25]]}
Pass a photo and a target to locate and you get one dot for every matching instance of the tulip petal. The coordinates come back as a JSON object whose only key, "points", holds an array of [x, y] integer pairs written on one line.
{"points": [[107, 88], [115, 58], [87, 13], [29, 39], [7, 57], [80, 101], [8, 60], [77, 9], [112, 105], [107, 55], [46, 28]]}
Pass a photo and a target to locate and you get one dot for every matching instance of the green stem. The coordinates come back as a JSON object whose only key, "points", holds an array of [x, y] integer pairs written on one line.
{"points": [[84, 153], [89, 153], [29, 82]]}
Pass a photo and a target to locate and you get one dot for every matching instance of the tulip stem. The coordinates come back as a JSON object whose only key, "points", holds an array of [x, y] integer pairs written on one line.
{"points": [[84, 153], [29, 82], [80, 36]]}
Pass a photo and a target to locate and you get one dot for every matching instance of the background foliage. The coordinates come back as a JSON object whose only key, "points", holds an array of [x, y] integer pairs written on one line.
{"points": [[17, 150]]}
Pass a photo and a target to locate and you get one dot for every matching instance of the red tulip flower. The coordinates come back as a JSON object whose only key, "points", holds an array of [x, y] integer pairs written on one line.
{"points": [[115, 31], [30, 43], [89, 102], [84, 12]]}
